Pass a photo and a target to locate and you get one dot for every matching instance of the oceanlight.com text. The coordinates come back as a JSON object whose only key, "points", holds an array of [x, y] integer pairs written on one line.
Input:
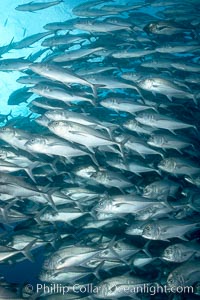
{"points": [[55, 288]]}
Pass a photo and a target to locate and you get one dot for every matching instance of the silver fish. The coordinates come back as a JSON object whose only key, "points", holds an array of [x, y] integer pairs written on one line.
{"points": [[161, 189], [121, 104], [135, 167], [60, 74], [166, 229], [166, 141], [57, 93], [51, 145], [68, 275], [131, 53], [184, 275], [76, 54], [179, 166], [29, 40], [81, 134], [69, 257], [181, 252], [166, 87], [135, 126], [124, 204], [99, 26], [137, 145], [162, 121], [121, 286], [17, 138], [35, 6], [64, 115], [14, 64], [165, 28], [62, 39]]}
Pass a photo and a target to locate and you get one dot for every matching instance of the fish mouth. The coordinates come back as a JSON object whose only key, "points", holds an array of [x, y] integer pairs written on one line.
{"points": [[43, 275], [170, 281], [50, 264], [175, 280], [167, 254], [162, 165], [147, 192], [151, 142], [147, 232]]}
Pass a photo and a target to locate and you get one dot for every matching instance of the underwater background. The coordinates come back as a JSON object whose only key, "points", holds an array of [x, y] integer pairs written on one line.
{"points": [[99, 149]]}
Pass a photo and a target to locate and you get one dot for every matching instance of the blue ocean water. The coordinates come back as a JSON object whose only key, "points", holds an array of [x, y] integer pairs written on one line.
{"points": [[15, 26]]}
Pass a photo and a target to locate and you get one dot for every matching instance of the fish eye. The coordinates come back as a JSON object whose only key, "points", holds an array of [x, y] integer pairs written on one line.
{"points": [[148, 228], [156, 26], [113, 288], [168, 251], [54, 213], [147, 189], [92, 263], [106, 252], [116, 246], [170, 281]]}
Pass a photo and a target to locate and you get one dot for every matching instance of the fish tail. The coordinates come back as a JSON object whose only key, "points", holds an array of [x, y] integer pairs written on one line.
{"points": [[146, 248], [29, 169], [27, 250], [38, 215], [97, 269]]}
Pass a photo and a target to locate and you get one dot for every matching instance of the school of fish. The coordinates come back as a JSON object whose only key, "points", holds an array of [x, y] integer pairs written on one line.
{"points": [[100, 184]]}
